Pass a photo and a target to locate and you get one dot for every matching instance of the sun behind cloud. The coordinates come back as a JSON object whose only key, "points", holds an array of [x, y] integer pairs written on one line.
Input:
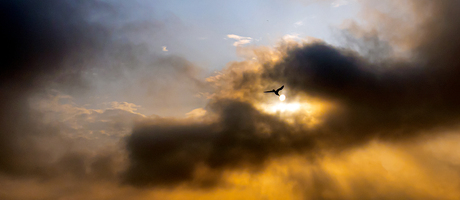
{"points": [[282, 97]]}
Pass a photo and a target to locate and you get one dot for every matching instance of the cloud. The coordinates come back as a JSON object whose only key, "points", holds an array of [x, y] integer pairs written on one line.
{"points": [[299, 23], [240, 40], [291, 37], [374, 127], [75, 121], [338, 3], [69, 46], [390, 100], [168, 152], [130, 107], [38, 43]]}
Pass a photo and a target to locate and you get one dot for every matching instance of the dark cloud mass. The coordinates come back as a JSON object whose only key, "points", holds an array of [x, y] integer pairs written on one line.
{"points": [[390, 99], [68, 46], [168, 152], [387, 99], [56, 44], [36, 38]]}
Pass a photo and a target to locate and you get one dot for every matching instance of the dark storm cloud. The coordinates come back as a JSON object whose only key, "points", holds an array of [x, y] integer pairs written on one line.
{"points": [[54, 44], [36, 38], [386, 99], [168, 152], [394, 99], [389, 99], [39, 35], [71, 46]]}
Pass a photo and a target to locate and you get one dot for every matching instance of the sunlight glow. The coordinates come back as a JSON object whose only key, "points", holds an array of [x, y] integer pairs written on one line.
{"points": [[291, 107], [282, 97], [288, 108], [306, 114]]}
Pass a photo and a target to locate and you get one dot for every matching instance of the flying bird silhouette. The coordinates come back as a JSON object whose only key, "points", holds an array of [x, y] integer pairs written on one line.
{"points": [[275, 91]]}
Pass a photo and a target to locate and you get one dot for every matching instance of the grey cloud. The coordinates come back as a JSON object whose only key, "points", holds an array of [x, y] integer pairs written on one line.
{"points": [[168, 152], [389, 99], [62, 45], [38, 37]]}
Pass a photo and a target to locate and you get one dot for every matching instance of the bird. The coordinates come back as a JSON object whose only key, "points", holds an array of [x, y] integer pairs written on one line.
{"points": [[275, 91]]}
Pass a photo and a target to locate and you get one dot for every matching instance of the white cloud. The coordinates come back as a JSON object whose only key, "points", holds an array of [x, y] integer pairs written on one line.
{"points": [[240, 39], [289, 37], [164, 48], [299, 23], [338, 3], [305, 39]]}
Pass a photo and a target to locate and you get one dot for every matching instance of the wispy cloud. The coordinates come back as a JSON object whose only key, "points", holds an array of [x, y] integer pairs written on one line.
{"points": [[338, 3], [129, 107], [240, 39], [299, 23]]}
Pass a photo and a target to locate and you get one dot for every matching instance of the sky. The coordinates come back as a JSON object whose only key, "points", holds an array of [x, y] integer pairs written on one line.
{"points": [[110, 99]]}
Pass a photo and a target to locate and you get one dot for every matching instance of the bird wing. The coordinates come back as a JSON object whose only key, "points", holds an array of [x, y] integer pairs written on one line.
{"points": [[280, 88], [269, 91]]}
